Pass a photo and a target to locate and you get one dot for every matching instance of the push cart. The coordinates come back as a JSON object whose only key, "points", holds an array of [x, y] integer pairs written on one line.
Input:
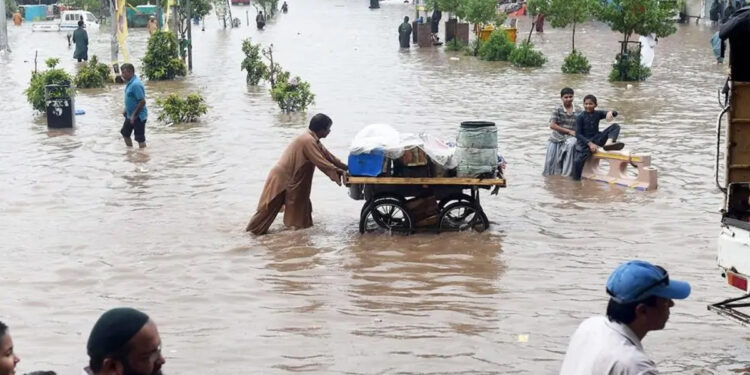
{"points": [[403, 205]]}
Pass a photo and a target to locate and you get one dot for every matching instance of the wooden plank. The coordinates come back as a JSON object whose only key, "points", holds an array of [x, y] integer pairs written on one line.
{"points": [[610, 155], [425, 181]]}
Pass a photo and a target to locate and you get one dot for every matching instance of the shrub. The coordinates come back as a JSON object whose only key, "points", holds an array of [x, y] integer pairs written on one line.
{"points": [[497, 48], [93, 74], [177, 110], [292, 95], [628, 68], [162, 60], [52, 76], [473, 48], [455, 45], [256, 69], [576, 63], [526, 56]]}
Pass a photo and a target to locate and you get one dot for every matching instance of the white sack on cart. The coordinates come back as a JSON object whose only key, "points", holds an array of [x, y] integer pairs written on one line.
{"points": [[383, 137]]}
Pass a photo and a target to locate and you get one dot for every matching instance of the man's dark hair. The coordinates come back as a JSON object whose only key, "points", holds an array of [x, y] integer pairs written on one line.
{"points": [[590, 97], [406, 19], [80, 23], [566, 91], [625, 312], [96, 362], [3, 329], [320, 122], [128, 66]]}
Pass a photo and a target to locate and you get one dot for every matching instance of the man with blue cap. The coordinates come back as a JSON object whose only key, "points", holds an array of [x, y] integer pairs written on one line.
{"points": [[124, 341], [641, 295]]}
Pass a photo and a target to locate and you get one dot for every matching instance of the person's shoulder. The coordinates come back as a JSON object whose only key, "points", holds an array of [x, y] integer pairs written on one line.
{"points": [[631, 360]]}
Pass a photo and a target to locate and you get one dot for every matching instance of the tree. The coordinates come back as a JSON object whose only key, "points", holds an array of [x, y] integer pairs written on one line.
{"points": [[256, 69], [162, 60], [562, 13], [480, 11], [268, 7], [638, 16], [534, 7]]}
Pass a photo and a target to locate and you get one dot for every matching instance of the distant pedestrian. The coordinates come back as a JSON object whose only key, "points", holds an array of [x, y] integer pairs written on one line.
{"points": [[728, 11], [135, 112], [284, 7], [152, 25], [404, 33], [124, 341], [641, 295], [715, 13], [437, 15], [17, 19], [718, 46], [81, 39], [539, 23], [260, 20]]}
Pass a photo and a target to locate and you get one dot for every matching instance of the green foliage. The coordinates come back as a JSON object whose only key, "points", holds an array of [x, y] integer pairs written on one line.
{"points": [[93, 6], [256, 69], [52, 62], [455, 45], [628, 67], [269, 7], [292, 95], [39, 80], [638, 16], [161, 61], [534, 7], [473, 48], [455, 7], [497, 48], [479, 11], [10, 8], [177, 110], [526, 56], [93, 74], [200, 7], [561, 13], [576, 63]]}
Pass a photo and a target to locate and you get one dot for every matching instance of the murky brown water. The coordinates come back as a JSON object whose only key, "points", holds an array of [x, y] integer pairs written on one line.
{"points": [[88, 225]]}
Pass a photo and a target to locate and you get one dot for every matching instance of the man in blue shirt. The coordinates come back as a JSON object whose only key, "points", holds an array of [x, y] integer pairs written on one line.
{"points": [[135, 107]]}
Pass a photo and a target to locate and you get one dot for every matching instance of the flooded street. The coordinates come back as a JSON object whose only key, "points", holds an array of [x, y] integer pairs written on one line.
{"points": [[87, 225]]}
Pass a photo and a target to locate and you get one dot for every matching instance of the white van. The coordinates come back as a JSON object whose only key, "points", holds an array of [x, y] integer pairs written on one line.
{"points": [[69, 20]]}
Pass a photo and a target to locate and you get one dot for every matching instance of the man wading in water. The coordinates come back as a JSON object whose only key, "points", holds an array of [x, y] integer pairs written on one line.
{"points": [[404, 33], [135, 107], [289, 182]]}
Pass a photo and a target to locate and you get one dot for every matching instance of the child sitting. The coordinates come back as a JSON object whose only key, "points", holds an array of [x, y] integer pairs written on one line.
{"points": [[589, 137]]}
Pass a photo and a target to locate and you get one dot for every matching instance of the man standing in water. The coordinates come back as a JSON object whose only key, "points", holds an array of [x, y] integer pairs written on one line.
{"points": [[124, 341], [135, 112], [562, 141], [641, 295], [260, 20], [404, 33], [289, 182], [81, 39]]}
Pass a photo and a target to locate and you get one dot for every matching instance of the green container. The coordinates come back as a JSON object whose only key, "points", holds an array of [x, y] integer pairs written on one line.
{"points": [[139, 16]]}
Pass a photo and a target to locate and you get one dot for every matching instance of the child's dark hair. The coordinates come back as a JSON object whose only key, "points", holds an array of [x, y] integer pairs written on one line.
{"points": [[589, 97], [3, 329], [566, 91]]}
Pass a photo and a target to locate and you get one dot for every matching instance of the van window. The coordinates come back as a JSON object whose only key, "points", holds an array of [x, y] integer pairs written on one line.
{"points": [[69, 17], [90, 17]]}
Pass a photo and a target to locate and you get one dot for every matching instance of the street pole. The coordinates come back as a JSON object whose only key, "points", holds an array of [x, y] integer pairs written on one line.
{"points": [[190, 35], [3, 28], [113, 40]]}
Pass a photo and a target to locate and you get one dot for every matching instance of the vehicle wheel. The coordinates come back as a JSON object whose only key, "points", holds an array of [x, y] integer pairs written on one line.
{"points": [[455, 198], [461, 216], [386, 215]]}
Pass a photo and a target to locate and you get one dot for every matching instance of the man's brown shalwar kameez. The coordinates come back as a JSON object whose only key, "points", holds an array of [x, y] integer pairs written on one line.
{"points": [[290, 181]]}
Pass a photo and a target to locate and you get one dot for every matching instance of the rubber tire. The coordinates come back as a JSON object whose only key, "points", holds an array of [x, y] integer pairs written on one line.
{"points": [[478, 214], [386, 200]]}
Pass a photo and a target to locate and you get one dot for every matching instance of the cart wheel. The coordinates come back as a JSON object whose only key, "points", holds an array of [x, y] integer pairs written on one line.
{"points": [[454, 198], [461, 216], [386, 214]]}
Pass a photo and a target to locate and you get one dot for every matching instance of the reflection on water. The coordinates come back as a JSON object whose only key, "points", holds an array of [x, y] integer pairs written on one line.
{"points": [[88, 224]]}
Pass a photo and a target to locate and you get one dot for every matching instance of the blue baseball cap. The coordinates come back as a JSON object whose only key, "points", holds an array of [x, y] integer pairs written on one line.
{"points": [[637, 280]]}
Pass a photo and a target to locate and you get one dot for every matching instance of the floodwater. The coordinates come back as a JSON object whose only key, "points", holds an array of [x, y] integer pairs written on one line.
{"points": [[87, 225]]}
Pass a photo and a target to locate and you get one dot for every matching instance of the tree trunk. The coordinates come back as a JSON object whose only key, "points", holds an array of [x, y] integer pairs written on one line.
{"points": [[533, 23], [574, 36], [3, 28]]}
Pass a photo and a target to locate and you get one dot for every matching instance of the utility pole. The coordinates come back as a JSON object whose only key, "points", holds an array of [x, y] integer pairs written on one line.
{"points": [[113, 38], [3, 28], [190, 35]]}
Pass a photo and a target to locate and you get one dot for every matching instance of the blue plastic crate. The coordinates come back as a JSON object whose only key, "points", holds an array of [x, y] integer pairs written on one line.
{"points": [[370, 164]]}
